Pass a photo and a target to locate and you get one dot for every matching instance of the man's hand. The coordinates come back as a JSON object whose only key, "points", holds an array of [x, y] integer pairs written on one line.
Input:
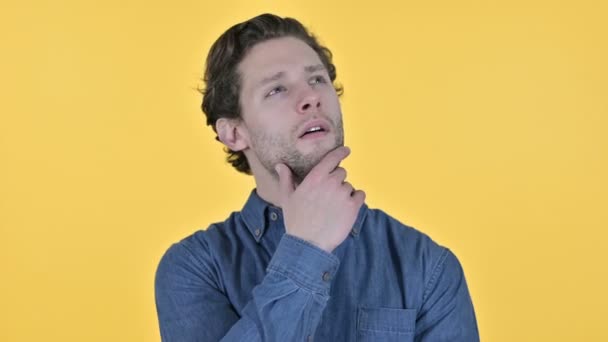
{"points": [[323, 208]]}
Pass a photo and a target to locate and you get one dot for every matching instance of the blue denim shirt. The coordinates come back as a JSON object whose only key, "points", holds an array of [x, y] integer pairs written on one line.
{"points": [[245, 279]]}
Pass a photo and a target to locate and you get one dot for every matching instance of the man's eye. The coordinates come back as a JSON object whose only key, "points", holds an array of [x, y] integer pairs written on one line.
{"points": [[275, 90], [318, 79]]}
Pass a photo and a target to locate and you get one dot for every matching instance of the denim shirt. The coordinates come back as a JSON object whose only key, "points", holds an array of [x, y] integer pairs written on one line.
{"points": [[245, 279]]}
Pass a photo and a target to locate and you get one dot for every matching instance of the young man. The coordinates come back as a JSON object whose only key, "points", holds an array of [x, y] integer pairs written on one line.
{"points": [[305, 259]]}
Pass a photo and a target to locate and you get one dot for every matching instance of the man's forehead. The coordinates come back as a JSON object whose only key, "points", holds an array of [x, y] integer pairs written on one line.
{"points": [[280, 55]]}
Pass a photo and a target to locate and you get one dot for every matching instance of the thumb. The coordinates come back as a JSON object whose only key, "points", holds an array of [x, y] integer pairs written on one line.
{"points": [[286, 186]]}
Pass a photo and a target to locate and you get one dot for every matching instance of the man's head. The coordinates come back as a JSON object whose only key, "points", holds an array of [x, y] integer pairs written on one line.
{"points": [[267, 81]]}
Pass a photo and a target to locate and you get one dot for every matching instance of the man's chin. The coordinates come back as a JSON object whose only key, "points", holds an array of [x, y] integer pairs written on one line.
{"points": [[308, 163], [315, 156], [318, 148]]}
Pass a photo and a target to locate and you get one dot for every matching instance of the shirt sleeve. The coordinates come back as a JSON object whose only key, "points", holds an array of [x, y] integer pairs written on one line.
{"points": [[447, 312], [286, 306]]}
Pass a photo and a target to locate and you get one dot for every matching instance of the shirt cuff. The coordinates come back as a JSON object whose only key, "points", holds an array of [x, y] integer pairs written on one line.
{"points": [[306, 264]]}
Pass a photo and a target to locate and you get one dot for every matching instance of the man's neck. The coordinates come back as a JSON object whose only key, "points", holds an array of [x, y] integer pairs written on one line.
{"points": [[267, 187]]}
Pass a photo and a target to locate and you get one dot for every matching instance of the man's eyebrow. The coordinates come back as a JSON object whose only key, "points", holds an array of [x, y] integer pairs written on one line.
{"points": [[314, 68], [272, 78], [309, 69]]}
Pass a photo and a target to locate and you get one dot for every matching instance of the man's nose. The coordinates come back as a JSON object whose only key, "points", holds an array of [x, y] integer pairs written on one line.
{"points": [[310, 101]]}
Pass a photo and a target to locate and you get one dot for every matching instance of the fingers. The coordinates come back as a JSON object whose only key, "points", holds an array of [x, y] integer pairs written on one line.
{"points": [[339, 174], [330, 161], [359, 197], [348, 188], [286, 185]]}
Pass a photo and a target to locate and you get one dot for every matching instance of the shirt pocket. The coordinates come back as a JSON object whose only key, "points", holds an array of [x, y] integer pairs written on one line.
{"points": [[385, 324]]}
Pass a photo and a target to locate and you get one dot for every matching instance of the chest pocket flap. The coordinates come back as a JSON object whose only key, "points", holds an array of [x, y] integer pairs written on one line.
{"points": [[385, 324]]}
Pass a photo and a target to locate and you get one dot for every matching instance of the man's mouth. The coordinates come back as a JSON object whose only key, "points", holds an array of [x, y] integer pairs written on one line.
{"points": [[315, 129]]}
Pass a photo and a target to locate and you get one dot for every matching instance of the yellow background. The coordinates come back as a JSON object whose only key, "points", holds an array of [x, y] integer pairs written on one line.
{"points": [[482, 124]]}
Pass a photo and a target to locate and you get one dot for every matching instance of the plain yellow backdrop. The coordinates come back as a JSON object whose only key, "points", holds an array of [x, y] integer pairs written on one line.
{"points": [[482, 124]]}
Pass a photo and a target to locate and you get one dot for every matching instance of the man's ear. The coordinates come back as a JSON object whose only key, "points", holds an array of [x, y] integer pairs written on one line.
{"points": [[229, 131]]}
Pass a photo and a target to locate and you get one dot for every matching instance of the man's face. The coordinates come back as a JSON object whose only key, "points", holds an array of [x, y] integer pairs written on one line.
{"points": [[290, 109]]}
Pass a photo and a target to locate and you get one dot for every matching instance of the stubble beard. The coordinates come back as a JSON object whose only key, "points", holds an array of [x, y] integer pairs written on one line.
{"points": [[272, 150]]}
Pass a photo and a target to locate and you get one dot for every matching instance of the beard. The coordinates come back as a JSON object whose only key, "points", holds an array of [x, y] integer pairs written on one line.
{"points": [[272, 149]]}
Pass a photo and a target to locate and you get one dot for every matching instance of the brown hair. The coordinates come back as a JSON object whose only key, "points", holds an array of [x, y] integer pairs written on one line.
{"points": [[221, 94]]}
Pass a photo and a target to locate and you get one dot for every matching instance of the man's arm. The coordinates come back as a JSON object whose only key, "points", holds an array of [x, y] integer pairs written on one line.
{"points": [[285, 306], [447, 312], [288, 303]]}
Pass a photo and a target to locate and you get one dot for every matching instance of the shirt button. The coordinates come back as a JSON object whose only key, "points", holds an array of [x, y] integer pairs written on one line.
{"points": [[309, 338], [274, 216], [326, 276], [258, 232]]}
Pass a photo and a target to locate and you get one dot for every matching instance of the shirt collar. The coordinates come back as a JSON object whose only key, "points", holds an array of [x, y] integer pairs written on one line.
{"points": [[256, 209]]}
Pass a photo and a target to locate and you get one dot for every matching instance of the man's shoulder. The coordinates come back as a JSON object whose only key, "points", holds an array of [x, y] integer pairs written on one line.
{"points": [[387, 229], [194, 258], [410, 246], [215, 232], [205, 241]]}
